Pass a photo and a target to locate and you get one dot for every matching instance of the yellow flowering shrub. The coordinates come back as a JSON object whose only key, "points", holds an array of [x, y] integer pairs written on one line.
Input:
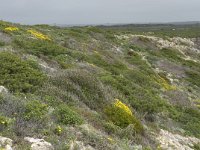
{"points": [[121, 115], [123, 106], [197, 103], [11, 29], [38, 35], [166, 85]]}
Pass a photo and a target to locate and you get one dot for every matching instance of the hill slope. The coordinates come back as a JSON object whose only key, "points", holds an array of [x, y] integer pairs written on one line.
{"points": [[100, 87]]}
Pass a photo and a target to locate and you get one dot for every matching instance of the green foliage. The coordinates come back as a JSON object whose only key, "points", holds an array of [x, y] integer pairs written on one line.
{"points": [[35, 110], [2, 43], [19, 75], [189, 119], [193, 78], [67, 116], [197, 146], [4, 121], [122, 119], [110, 128], [40, 47], [83, 85]]}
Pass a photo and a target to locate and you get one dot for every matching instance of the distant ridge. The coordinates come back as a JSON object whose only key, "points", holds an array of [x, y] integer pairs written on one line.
{"points": [[131, 24]]}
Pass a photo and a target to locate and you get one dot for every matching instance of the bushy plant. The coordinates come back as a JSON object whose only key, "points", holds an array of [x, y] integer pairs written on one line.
{"points": [[4, 121], [40, 47], [2, 43], [121, 115], [67, 116], [19, 75], [35, 110], [188, 118], [110, 128]]}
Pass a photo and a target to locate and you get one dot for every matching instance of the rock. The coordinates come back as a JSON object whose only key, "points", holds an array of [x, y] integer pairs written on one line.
{"points": [[5, 143], [39, 144], [3, 89], [78, 145], [169, 141]]}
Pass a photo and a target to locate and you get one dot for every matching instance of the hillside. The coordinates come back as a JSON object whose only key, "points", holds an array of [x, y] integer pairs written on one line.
{"points": [[105, 88]]}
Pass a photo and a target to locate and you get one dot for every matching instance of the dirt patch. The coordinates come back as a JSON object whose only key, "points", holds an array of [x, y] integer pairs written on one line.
{"points": [[169, 67]]}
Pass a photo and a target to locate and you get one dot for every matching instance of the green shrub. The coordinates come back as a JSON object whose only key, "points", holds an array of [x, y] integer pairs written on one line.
{"points": [[188, 118], [193, 78], [67, 116], [122, 119], [110, 128], [4, 121], [84, 86], [35, 110], [197, 146], [2, 43], [40, 47], [19, 75]]}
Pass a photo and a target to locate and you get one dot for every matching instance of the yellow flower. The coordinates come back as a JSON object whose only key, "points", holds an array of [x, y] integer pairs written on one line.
{"points": [[58, 130], [110, 139], [3, 122], [11, 29], [123, 106], [166, 85], [39, 35]]}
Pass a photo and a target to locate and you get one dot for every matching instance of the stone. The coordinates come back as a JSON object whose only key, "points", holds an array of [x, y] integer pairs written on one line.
{"points": [[39, 144], [6, 143], [169, 141], [78, 145], [3, 89]]}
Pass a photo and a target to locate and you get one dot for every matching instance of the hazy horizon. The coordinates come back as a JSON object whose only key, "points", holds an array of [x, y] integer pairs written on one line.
{"points": [[71, 12]]}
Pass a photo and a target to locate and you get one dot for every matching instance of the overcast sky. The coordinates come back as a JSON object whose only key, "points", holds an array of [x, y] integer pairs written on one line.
{"points": [[98, 11]]}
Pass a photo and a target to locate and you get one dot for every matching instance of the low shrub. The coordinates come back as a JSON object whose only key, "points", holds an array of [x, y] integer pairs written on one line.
{"points": [[19, 75], [40, 47], [193, 78], [67, 116], [2, 43], [110, 128], [35, 110], [188, 118], [121, 115], [4, 121]]}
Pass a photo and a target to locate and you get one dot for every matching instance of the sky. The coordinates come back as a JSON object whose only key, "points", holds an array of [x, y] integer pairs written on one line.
{"points": [[69, 12]]}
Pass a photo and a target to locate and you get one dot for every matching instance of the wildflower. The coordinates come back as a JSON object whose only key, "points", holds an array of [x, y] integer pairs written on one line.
{"points": [[11, 29], [122, 106], [110, 139], [58, 130], [166, 85], [3, 122], [39, 35]]}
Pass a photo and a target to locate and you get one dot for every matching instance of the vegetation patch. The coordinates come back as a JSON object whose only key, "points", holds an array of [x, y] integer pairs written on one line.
{"points": [[122, 116], [19, 75], [35, 110], [67, 116]]}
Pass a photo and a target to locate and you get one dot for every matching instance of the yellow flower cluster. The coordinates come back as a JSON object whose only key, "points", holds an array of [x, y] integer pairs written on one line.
{"points": [[39, 35], [58, 130], [11, 29], [123, 106], [197, 103], [166, 85], [110, 139]]}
